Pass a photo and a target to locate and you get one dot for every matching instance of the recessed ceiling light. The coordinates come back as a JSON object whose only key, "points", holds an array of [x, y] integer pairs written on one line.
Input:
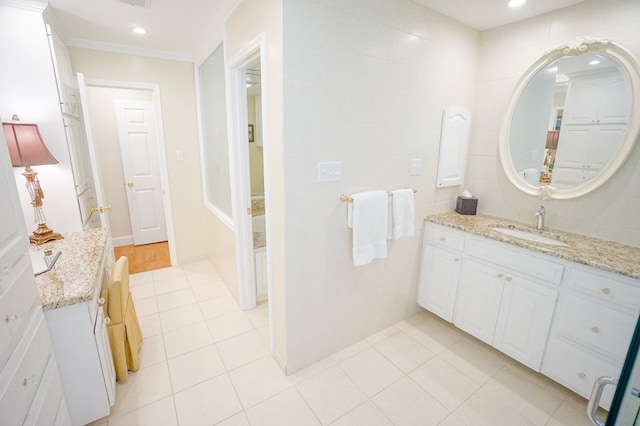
{"points": [[139, 30], [516, 3]]}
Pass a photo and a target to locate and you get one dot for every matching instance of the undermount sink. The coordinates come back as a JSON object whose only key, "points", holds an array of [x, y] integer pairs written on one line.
{"points": [[530, 236]]}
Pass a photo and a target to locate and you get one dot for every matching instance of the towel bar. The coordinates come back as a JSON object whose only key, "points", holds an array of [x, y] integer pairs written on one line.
{"points": [[346, 199]]}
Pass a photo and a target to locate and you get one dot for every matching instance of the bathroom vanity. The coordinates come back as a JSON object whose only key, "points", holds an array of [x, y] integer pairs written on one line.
{"points": [[565, 305], [71, 299]]}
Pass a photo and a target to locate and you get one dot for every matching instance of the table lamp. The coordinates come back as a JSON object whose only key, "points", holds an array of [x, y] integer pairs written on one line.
{"points": [[27, 149]]}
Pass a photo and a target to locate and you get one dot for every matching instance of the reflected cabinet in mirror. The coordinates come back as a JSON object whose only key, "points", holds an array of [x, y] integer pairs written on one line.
{"points": [[572, 120]]}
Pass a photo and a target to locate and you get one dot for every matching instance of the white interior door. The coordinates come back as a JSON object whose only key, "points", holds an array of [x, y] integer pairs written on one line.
{"points": [[103, 207], [140, 162]]}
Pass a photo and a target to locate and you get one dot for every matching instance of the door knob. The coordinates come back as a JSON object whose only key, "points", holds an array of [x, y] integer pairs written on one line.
{"points": [[130, 184]]}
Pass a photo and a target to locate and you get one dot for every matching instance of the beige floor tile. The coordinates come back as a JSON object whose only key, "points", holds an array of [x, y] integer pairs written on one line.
{"points": [[239, 419], [315, 368], [406, 403], [195, 367], [476, 360], [484, 408], [175, 299], [204, 277], [144, 387], [209, 291], [368, 414], [452, 420], [140, 278], [229, 325], [152, 351], [371, 371], [515, 388], [164, 273], [171, 284], [331, 394], [406, 353], [258, 380], [382, 335], [242, 349], [264, 333], [350, 351], [149, 325], [207, 403], [433, 333], [444, 382], [217, 306], [180, 317], [187, 339], [284, 408], [259, 316], [142, 291], [198, 266], [569, 414], [146, 307], [159, 413]]}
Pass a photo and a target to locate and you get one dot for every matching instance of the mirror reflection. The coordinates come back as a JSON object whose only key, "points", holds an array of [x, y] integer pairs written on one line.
{"points": [[570, 120]]}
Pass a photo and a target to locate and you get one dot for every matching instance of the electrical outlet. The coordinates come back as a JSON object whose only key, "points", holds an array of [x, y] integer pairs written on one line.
{"points": [[329, 171], [415, 168]]}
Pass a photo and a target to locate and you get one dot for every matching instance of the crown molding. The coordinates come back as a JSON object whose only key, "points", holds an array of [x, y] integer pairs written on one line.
{"points": [[128, 50], [31, 5]]}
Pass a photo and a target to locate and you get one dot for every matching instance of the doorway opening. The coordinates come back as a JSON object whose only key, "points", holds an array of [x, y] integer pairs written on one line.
{"points": [[133, 155]]}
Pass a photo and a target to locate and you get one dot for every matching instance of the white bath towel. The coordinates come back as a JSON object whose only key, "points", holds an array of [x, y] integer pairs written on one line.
{"points": [[402, 213], [368, 217]]}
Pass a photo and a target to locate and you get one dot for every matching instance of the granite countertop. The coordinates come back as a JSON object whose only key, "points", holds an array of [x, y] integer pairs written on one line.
{"points": [[606, 255], [74, 275]]}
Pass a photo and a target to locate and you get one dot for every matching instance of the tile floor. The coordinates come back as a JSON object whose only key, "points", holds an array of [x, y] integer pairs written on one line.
{"points": [[205, 362]]}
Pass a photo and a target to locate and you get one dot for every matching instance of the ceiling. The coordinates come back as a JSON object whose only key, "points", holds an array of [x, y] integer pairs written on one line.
{"points": [[173, 25]]}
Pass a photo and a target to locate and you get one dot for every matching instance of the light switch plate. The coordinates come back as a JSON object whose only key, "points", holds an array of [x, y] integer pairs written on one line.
{"points": [[415, 167], [329, 171]]}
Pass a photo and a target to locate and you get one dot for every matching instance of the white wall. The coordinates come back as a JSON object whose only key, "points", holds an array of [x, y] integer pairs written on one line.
{"points": [[28, 89], [365, 84], [505, 54]]}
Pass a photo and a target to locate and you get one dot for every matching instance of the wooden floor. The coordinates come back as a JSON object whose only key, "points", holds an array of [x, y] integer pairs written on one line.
{"points": [[146, 257]]}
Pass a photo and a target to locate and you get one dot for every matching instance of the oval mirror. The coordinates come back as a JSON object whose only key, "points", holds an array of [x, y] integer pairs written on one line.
{"points": [[572, 120]]}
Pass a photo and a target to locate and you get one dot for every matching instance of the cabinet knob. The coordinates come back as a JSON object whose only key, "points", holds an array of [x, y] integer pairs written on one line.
{"points": [[457, 259], [11, 317], [101, 301], [509, 278], [130, 184], [595, 329], [606, 290], [27, 380], [107, 320], [443, 238], [582, 375], [500, 275]]}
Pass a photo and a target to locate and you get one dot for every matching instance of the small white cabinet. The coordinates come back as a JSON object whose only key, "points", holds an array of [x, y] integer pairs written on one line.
{"points": [[439, 271]]}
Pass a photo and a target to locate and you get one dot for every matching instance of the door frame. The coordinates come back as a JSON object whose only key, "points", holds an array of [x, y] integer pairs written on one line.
{"points": [[237, 121], [164, 174]]}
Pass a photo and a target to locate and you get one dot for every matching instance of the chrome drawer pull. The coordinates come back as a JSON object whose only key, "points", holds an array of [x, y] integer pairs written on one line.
{"points": [[595, 329], [606, 290]]}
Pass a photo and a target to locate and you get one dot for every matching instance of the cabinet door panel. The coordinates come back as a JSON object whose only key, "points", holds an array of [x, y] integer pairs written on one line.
{"points": [[439, 281], [525, 316], [479, 297]]}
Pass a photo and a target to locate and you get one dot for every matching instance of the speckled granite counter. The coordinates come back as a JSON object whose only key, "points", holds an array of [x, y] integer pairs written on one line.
{"points": [[73, 277], [601, 254]]}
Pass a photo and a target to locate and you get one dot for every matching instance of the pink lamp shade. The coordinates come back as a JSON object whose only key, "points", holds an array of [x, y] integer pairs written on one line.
{"points": [[552, 139], [26, 147]]}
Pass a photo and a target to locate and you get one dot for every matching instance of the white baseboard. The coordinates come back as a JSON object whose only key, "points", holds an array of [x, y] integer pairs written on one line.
{"points": [[122, 241]]}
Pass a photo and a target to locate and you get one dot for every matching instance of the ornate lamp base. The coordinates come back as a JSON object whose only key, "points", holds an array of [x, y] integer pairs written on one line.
{"points": [[43, 234]]}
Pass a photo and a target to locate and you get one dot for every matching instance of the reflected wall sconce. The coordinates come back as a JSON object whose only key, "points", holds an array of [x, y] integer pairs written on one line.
{"points": [[27, 149], [552, 139]]}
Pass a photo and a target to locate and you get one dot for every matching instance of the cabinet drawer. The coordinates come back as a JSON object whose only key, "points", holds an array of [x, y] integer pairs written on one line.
{"points": [[614, 289], [514, 259], [604, 330], [48, 399], [24, 371], [18, 297], [573, 367], [445, 237]]}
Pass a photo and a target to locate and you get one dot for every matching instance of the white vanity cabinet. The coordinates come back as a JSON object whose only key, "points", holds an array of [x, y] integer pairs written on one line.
{"points": [[29, 378], [569, 321], [79, 331], [507, 307], [593, 327], [440, 269]]}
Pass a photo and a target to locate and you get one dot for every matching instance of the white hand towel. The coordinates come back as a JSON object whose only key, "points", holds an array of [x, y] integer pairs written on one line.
{"points": [[402, 211], [368, 216]]}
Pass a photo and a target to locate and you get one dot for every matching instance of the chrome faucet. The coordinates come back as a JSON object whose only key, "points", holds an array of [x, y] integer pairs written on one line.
{"points": [[539, 215]]}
